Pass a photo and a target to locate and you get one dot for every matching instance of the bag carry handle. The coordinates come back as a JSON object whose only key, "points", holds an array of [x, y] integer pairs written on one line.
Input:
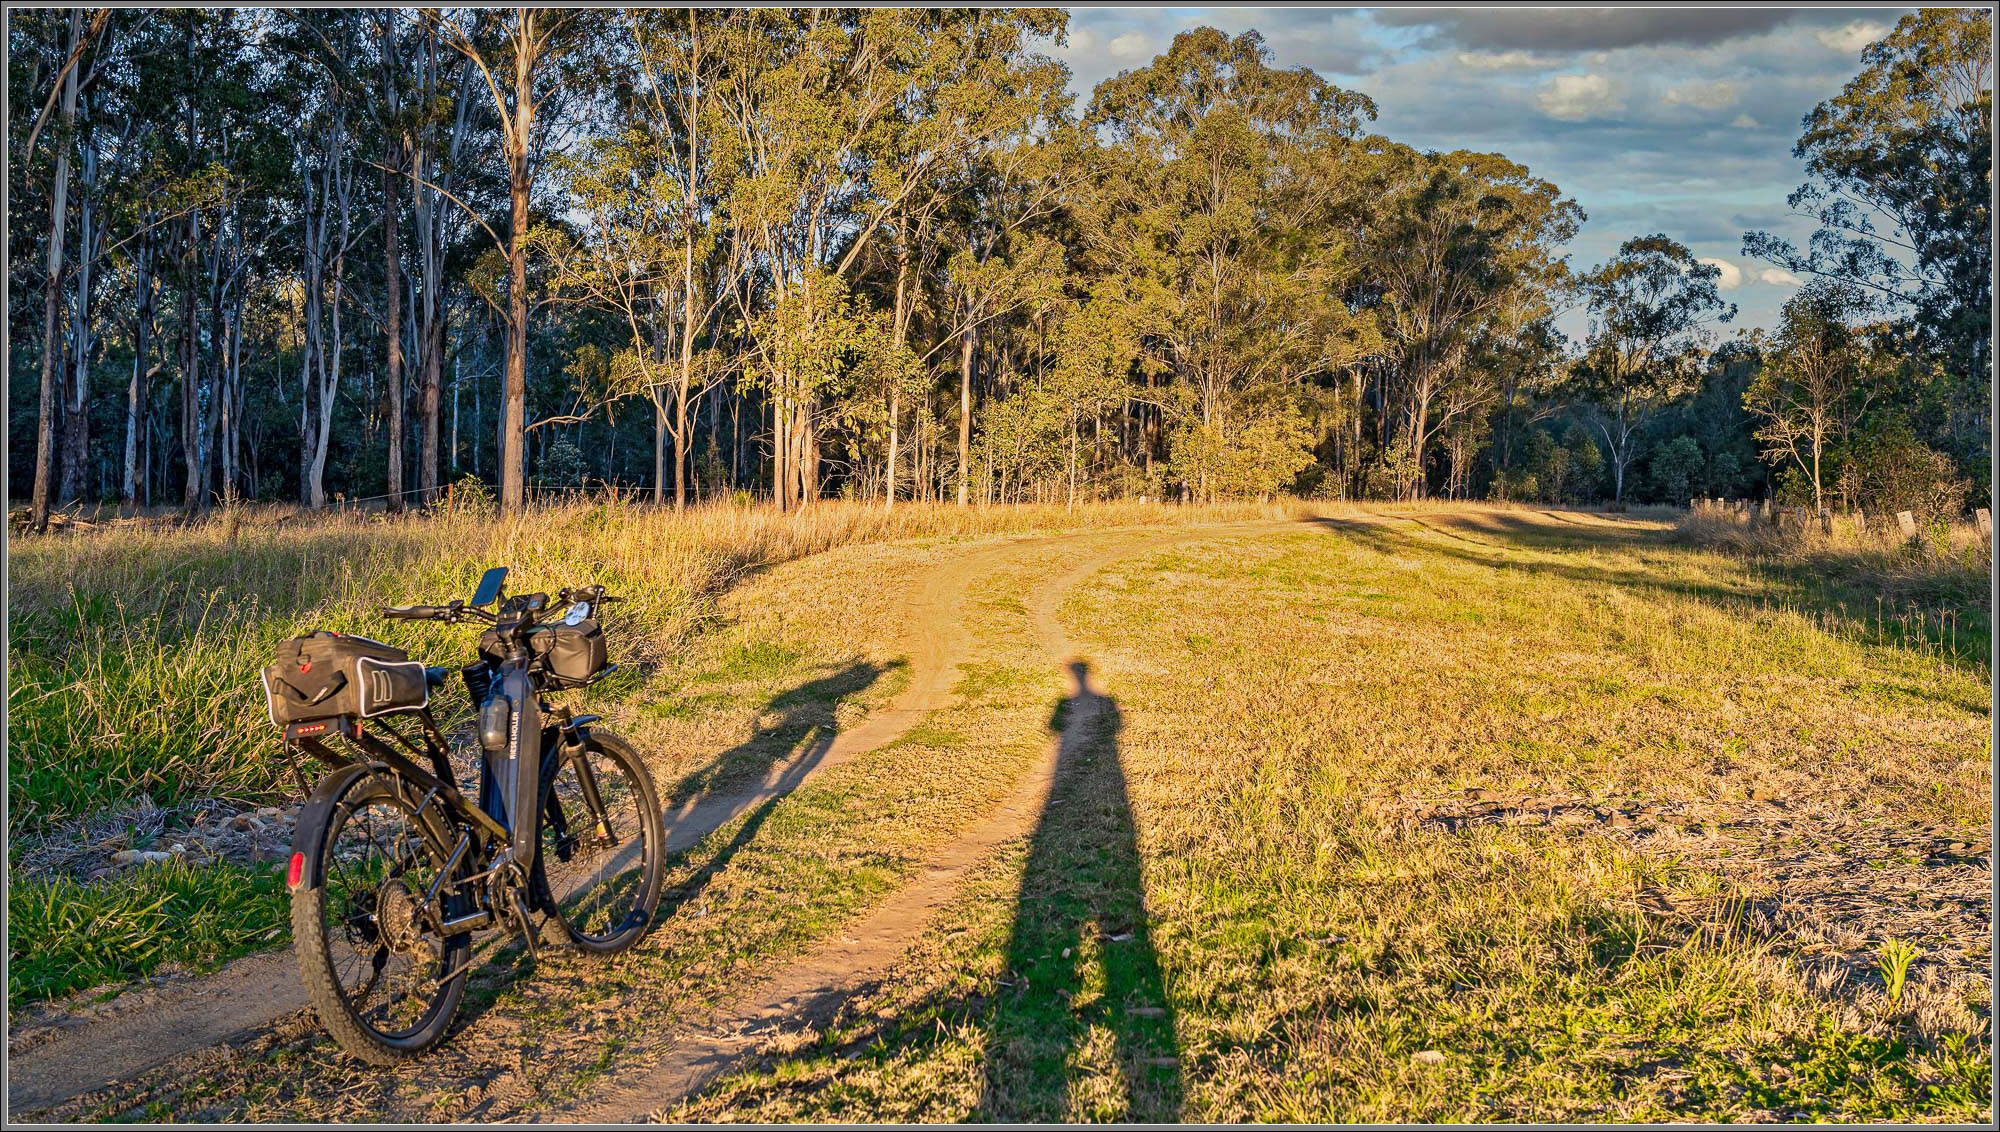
{"points": [[339, 681]]}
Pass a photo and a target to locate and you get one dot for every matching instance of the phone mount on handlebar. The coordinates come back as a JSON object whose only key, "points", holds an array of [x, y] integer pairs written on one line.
{"points": [[489, 587]]}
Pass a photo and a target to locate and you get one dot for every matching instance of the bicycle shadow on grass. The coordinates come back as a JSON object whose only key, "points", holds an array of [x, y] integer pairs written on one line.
{"points": [[780, 754]]}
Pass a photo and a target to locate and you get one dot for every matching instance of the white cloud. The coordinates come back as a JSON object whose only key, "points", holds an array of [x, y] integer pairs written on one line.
{"points": [[1712, 95], [1779, 277], [1503, 61], [1131, 45], [1578, 98], [1732, 275], [1744, 122], [1851, 37]]}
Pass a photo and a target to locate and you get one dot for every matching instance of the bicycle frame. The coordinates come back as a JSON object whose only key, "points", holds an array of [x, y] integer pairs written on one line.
{"points": [[493, 841]]}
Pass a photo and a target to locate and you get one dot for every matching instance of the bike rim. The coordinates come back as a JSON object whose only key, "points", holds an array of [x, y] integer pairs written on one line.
{"points": [[597, 878], [379, 865]]}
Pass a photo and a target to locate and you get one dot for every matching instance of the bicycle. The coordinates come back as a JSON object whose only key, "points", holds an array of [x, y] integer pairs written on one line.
{"points": [[393, 868]]}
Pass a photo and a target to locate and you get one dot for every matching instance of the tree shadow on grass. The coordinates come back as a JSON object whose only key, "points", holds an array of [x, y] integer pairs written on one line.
{"points": [[1085, 980], [1773, 587]]}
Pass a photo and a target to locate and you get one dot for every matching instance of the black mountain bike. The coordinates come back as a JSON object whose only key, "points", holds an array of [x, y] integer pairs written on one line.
{"points": [[394, 868]]}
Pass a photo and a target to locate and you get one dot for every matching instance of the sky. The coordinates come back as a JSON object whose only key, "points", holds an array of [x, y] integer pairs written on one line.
{"points": [[1672, 120]]}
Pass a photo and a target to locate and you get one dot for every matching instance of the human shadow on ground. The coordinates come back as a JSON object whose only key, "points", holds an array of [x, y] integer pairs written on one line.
{"points": [[1080, 959], [1081, 1004]]}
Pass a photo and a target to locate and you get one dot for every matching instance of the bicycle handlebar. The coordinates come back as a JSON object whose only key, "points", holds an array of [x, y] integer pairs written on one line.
{"points": [[417, 612], [525, 608]]}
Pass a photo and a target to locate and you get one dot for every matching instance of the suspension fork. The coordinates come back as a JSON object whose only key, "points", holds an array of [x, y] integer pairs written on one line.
{"points": [[586, 777], [570, 736]]}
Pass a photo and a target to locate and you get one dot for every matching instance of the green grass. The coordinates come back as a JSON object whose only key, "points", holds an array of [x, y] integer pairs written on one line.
{"points": [[64, 936], [1254, 928], [1300, 947]]}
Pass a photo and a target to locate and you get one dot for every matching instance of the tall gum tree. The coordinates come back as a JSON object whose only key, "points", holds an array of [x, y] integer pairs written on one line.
{"points": [[1207, 208], [525, 57], [1456, 241], [1652, 309], [1900, 182]]}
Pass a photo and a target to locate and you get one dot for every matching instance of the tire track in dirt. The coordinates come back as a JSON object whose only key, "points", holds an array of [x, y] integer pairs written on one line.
{"points": [[812, 986]]}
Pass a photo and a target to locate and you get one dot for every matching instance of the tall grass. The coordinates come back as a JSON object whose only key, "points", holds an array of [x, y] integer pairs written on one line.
{"points": [[136, 651], [1932, 592], [64, 936]]}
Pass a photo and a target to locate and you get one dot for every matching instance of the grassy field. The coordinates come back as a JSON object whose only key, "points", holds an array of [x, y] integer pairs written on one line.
{"points": [[143, 645], [134, 658], [1470, 817], [1407, 814]]}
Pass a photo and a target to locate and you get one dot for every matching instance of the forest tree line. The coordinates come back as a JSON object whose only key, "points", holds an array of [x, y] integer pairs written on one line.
{"points": [[325, 255]]}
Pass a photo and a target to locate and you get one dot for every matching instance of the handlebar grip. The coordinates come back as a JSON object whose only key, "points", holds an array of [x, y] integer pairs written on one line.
{"points": [[413, 612]]}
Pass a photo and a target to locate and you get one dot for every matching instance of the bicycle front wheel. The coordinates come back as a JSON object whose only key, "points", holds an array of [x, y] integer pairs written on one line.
{"points": [[601, 860]]}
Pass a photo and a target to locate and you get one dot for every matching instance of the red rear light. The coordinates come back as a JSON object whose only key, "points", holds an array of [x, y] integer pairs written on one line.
{"points": [[297, 870]]}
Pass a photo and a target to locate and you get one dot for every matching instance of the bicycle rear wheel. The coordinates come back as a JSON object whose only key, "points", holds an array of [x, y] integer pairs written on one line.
{"points": [[383, 981], [601, 860]]}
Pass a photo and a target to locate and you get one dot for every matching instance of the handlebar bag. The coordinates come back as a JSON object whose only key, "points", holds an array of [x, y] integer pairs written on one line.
{"points": [[570, 653], [324, 674]]}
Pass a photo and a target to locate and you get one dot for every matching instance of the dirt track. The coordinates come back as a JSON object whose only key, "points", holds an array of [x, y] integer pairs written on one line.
{"points": [[147, 1029]]}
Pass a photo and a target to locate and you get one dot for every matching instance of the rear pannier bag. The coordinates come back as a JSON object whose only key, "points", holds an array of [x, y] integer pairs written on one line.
{"points": [[324, 674], [572, 653]]}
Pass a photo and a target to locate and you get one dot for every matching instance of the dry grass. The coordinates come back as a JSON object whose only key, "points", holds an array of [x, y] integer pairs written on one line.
{"points": [[1936, 585], [1451, 813], [792, 655], [135, 651]]}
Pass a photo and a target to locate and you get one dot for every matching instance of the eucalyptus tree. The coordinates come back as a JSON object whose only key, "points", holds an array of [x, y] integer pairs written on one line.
{"points": [[1212, 206], [1456, 241], [976, 155], [1652, 308], [442, 133], [846, 118], [536, 65], [52, 283], [651, 246], [1812, 384], [1900, 181]]}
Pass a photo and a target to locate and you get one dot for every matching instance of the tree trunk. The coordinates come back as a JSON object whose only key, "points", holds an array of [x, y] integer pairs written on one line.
{"points": [[142, 328], [681, 436], [76, 407], [513, 463], [781, 469], [659, 453], [192, 496], [392, 299], [965, 415], [51, 294], [900, 329]]}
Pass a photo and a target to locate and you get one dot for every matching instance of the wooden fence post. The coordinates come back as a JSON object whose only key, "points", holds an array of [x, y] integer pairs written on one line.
{"points": [[1984, 520]]}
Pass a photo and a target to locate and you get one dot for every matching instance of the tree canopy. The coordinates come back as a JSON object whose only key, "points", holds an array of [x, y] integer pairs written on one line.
{"points": [[338, 256]]}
